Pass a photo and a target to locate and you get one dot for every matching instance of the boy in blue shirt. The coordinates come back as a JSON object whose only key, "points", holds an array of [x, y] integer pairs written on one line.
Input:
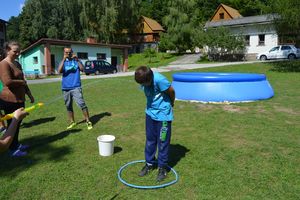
{"points": [[70, 68], [160, 97]]}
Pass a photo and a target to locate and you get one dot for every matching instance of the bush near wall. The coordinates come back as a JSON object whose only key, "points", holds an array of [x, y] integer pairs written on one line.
{"points": [[226, 57]]}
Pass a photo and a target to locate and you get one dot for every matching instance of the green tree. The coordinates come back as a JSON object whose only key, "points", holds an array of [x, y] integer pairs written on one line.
{"points": [[129, 13], [26, 19], [99, 19], [150, 53], [205, 9], [13, 28], [109, 20], [248, 8], [287, 21], [182, 28], [55, 18], [222, 45], [155, 9], [71, 29], [34, 21]]}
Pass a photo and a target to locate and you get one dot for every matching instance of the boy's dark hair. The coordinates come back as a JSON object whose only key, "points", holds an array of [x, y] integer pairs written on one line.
{"points": [[143, 75]]}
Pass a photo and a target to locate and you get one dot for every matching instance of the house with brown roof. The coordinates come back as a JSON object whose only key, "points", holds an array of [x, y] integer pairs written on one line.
{"points": [[44, 56], [224, 12], [259, 31], [147, 34]]}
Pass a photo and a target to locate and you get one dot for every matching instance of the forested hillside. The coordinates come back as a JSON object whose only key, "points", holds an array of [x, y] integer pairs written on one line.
{"points": [[106, 20]]}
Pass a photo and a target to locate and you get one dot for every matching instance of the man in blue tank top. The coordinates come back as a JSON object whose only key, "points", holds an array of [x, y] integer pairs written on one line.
{"points": [[70, 68], [160, 97]]}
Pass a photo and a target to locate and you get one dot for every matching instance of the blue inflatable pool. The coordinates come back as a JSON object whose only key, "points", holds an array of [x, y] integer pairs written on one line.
{"points": [[221, 87]]}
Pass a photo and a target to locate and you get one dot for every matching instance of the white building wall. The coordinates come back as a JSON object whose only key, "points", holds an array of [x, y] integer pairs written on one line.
{"points": [[92, 52], [271, 38]]}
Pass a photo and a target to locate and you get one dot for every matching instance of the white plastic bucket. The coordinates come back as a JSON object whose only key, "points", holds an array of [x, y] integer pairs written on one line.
{"points": [[106, 145]]}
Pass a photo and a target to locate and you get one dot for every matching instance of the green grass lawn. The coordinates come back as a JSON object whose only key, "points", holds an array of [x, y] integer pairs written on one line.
{"points": [[236, 151], [139, 59]]}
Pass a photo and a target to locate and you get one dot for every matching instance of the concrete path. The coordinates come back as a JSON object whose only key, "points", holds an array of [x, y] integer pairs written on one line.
{"points": [[168, 68], [187, 59]]}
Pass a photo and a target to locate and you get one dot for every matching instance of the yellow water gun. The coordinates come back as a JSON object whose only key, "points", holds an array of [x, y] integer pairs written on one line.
{"points": [[29, 109]]}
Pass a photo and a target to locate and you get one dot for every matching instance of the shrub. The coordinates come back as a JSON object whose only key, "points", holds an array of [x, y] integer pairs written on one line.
{"points": [[287, 66], [223, 46], [149, 53]]}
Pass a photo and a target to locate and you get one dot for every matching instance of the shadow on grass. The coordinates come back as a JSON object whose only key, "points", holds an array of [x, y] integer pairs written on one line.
{"points": [[41, 141], [96, 118], [40, 151], [117, 149], [176, 153], [37, 122]]}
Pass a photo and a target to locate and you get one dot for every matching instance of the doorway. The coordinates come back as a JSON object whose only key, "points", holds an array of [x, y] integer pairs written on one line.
{"points": [[114, 60], [52, 64]]}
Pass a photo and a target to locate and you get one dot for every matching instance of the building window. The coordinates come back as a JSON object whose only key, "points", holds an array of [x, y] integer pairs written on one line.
{"points": [[221, 15], [2, 27], [35, 60], [261, 39], [247, 40], [82, 55], [101, 56]]}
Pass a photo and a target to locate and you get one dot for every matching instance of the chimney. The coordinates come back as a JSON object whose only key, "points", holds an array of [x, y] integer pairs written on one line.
{"points": [[91, 40]]}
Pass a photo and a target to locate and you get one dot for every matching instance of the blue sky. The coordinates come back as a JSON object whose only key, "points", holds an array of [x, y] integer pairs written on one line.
{"points": [[10, 8]]}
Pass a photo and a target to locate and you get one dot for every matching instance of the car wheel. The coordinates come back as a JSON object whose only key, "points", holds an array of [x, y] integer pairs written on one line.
{"points": [[263, 58], [114, 71], [97, 72], [291, 57], [87, 74]]}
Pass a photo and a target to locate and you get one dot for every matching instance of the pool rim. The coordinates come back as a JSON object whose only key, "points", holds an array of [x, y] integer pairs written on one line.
{"points": [[217, 77]]}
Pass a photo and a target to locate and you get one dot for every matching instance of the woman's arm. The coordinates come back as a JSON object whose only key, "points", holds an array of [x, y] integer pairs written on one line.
{"points": [[28, 92]]}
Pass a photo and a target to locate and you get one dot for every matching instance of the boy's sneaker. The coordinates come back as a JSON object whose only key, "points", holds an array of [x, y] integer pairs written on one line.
{"points": [[23, 147], [146, 170], [72, 125], [89, 125], [162, 174], [18, 153]]}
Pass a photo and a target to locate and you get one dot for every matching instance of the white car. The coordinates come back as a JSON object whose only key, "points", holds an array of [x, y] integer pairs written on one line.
{"points": [[280, 52]]}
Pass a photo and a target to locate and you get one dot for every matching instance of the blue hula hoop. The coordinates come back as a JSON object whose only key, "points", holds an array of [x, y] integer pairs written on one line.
{"points": [[145, 187]]}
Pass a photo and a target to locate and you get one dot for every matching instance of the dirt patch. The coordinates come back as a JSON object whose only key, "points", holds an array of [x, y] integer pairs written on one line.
{"points": [[181, 106], [261, 109], [234, 108], [289, 122], [239, 141], [236, 141], [205, 107], [286, 110], [266, 155], [225, 107]]}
